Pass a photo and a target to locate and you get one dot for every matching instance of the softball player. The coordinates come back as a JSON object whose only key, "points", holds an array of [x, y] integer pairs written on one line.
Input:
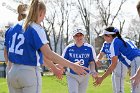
{"points": [[21, 15], [26, 41], [119, 72], [126, 49], [22, 8], [83, 53], [136, 78]]}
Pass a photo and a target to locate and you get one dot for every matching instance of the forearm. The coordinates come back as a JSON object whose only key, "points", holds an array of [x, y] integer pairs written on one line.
{"points": [[92, 67], [50, 55], [5, 55], [100, 56], [48, 63], [111, 67], [138, 72], [108, 72]]}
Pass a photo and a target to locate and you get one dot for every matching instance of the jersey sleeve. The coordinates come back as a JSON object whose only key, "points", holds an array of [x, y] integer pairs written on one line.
{"points": [[6, 41], [102, 48], [6, 37], [39, 37], [65, 53], [93, 55], [125, 61]]}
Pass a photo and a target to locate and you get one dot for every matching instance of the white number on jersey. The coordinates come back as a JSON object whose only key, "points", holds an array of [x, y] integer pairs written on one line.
{"points": [[81, 61], [17, 50]]}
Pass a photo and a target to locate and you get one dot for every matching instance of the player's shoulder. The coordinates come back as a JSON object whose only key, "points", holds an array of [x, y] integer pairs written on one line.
{"points": [[19, 23], [88, 45], [104, 43], [117, 41], [36, 27], [128, 40], [70, 45], [15, 27]]}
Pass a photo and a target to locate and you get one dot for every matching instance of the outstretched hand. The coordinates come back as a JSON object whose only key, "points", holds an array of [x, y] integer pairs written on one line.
{"points": [[94, 75], [78, 63], [135, 80], [60, 67], [98, 63], [80, 70], [58, 72], [98, 81]]}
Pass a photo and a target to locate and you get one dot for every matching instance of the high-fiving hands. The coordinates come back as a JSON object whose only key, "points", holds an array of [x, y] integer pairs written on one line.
{"points": [[94, 75], [80, 70], [135, 80], [98, 81], [58, 71]]}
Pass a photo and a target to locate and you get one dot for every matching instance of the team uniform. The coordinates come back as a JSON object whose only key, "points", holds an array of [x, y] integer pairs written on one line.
{"points": [[84, 54], [130, 52], [119, 72], [11, 90], [24, 52]]}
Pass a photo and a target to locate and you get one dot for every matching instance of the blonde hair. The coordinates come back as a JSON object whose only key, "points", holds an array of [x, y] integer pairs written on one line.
{"points": [[35, 7], [21, 9], [138, 7]]}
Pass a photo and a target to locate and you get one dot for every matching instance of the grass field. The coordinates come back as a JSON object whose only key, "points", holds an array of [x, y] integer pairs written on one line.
{"points": [[53, 85]]}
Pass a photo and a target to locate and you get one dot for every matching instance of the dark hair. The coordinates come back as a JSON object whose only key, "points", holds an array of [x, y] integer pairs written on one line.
{"points": [[113, 29], [138, 7]]}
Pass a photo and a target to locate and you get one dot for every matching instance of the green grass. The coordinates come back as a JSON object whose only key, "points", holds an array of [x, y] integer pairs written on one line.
{"points": [[53, 85]]}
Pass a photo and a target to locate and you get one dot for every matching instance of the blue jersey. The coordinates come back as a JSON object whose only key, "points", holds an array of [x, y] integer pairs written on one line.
{"points": [[84, 54], [106, 49], [124, 60], [24, 46], [117, 47], [7, 39]]}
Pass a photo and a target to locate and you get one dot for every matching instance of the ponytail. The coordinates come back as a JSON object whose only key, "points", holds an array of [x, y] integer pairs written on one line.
{"points": [[138, 8], [33, 13], [119, 36], [35, 7]]}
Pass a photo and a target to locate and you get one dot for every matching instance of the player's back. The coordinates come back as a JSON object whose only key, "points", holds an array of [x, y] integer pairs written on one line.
{"points": [[130, 51], [22, 46]]}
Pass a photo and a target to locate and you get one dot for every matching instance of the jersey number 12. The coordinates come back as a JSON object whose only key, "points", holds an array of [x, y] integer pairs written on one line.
{"points": [[15, 48]]}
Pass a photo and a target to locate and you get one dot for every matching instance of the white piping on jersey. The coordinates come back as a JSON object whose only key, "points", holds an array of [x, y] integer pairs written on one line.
{"points": [[131, 44], [103, 46], [112, 53], [38, 57], [127, 60], [93, 50], [41, 32], [64, 51]]}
